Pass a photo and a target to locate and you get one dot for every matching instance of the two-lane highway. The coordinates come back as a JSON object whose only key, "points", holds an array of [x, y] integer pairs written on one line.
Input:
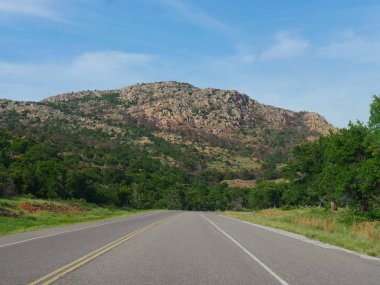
{"points": [[27, 257], [171, 247]]}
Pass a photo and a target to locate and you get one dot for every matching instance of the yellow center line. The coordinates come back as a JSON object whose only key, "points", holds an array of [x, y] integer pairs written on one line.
{"points": [[59, 273], [80, 259]]}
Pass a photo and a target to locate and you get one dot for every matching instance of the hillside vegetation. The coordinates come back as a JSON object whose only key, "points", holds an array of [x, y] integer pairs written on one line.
{"points": [[171, 145], [233, 132], [158, 145]]}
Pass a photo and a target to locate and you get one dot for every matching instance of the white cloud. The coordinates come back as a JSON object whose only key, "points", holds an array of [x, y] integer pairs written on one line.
{"points": [[353, 47], [91, 70], [198, 17], [35, 8], [286, 46], [103, 62]]}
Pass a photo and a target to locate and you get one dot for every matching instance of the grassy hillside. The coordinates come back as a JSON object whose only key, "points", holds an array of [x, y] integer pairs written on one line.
{"points": [[342, 228], [25, 214]]}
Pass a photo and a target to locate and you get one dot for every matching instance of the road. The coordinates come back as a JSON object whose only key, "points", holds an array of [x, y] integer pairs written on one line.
{"points": [[173, 247]]}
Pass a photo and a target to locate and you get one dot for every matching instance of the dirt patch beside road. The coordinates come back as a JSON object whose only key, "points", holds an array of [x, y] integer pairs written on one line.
{"points": [[49, 207]]}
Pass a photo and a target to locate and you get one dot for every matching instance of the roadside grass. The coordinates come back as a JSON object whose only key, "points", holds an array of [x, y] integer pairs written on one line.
{"points": [[25, 214], [343, 228]]}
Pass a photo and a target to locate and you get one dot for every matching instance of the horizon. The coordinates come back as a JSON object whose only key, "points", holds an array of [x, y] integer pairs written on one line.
{"points": [[316, 57]]}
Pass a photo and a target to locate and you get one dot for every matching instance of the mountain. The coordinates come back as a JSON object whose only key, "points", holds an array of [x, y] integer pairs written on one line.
{"points": [[228, 129]]}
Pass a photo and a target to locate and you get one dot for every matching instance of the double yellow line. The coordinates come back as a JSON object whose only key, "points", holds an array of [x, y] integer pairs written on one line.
{"points": [[59, 273]]}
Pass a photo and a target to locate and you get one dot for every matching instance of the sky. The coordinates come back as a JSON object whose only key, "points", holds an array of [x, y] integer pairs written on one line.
{"points": [[321, 56]]}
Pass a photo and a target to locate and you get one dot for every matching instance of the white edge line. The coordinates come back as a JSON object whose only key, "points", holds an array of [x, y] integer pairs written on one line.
{"points": [[75, 230], [305, 239], [279, 279]]}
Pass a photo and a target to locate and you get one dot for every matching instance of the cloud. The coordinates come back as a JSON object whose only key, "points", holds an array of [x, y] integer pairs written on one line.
{"points": [[352, 47], [198, 17], [90, 70], [34, 8], [286, 46], [103, 62]]}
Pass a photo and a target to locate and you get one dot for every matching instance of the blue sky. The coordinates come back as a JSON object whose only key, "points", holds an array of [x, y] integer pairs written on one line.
{"points": [[321, 56]]}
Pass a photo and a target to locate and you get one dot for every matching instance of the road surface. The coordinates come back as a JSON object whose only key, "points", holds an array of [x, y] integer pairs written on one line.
{"points": [[173, 247]]}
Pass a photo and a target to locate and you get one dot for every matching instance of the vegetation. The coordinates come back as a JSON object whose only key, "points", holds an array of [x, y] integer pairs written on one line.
{"points": [[90, 165], [127, 165], [342, 228], [338, 170], [75, 153], [23, 214]]}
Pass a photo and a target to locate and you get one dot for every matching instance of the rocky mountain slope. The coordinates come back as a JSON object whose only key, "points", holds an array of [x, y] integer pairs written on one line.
{"points": [[229, 129]]}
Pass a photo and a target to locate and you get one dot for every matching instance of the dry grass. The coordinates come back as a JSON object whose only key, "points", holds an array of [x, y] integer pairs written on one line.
{"points": [[239, 183], [315, 223], [366, 230], [342, 228], [269, 213]]}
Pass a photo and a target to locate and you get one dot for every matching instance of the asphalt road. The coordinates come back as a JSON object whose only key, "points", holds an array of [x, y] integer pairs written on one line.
{"points": [[170, 247]]}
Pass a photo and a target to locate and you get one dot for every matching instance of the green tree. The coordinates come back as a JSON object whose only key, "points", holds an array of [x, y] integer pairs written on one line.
{"points": [[348, 150], [266, 194], [374, 119], [216, 197], [174, 199], [50, 178]]}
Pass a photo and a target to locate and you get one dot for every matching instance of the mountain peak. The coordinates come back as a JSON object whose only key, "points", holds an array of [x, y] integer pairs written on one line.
{"points": [[217, 122]]}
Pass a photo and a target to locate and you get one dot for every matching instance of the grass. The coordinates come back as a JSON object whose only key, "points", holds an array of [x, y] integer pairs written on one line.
{"points": [[25, 214], [342, 228]]}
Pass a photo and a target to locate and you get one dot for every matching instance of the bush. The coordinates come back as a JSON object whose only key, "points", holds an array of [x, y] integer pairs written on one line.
{"points": [[266, 194]]}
